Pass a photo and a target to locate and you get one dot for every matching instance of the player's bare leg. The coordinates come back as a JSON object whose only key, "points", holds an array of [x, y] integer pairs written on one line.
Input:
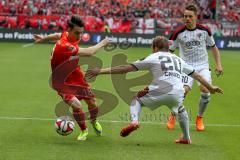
{"points": [[172, 117], [135, 110], [93, 110], [183, 120], [203, 102], [78, 115]]}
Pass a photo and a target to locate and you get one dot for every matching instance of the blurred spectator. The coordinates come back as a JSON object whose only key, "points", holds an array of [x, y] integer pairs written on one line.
{"points": [[145, 25], [106, 27], [142, 16], [213, 7]]}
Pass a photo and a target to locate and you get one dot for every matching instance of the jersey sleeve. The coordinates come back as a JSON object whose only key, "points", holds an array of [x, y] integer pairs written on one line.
{"points": [[173, 45], [210, 41], [144, 64], [174, 42], [187, 69]]}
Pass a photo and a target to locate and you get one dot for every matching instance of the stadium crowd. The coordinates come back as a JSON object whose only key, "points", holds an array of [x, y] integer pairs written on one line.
{"points": [[141, 16]]}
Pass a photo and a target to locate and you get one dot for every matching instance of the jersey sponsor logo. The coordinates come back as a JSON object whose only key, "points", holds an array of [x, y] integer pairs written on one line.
{"points": [[191, 44]]}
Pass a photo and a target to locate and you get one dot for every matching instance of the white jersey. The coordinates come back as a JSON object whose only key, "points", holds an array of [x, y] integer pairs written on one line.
{"points": [[167, 70], [193, 45]]}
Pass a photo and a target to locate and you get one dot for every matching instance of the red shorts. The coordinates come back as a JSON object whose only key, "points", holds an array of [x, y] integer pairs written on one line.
{"points": [[68, 97], [75, 86]]}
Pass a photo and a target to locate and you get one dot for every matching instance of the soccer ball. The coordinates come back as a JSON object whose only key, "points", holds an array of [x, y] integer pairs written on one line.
{"points": [[64, 125]]}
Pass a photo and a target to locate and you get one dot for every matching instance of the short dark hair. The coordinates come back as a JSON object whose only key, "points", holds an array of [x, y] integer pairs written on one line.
{"points": [[191, 7], [160, 42], [75, 21]]}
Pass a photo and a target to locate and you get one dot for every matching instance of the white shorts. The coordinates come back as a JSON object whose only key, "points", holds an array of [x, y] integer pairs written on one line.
{"points": [[172, 101], [205, 73]]}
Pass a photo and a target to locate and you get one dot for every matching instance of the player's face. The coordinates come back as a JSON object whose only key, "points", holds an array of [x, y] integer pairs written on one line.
{"points": [[76, 32], [189, 19]]}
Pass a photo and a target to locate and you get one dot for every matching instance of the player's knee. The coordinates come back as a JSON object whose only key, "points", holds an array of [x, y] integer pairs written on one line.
{"points": [[73, 102], [205, 97], [68, 99]]}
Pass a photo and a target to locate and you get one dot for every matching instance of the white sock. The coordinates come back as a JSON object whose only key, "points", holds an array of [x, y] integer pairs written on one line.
{"points": [[183, 122], [203, 102], [135, 110]]}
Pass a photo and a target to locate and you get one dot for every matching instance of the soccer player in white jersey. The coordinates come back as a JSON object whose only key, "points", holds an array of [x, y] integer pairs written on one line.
{"points": [[193, 40], [166, 87]]}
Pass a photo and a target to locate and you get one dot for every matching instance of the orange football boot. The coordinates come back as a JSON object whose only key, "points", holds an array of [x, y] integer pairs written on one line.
{"points": [[171, 121], [199, 123]]}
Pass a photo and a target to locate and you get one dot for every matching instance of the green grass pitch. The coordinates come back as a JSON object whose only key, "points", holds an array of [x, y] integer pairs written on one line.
{"points": [[27, 109]]}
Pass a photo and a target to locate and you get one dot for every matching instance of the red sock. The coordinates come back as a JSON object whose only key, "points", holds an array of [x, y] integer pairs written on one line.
{"points": [[79, 116], [93, 113]]}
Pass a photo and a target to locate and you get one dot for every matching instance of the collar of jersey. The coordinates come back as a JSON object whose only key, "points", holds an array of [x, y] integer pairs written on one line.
{"points": [[190, 29]]}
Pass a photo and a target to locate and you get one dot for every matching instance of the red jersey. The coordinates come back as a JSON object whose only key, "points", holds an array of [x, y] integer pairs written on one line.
{"points": [[63, 51]]}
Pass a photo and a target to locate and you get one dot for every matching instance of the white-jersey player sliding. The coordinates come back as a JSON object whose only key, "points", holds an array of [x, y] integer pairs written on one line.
{"points": [[166, 87], [192, 40]]}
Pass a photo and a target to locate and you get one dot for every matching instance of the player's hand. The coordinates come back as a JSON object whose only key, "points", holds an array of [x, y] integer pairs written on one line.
{"points": [[219, 70], [92, 73], [104, 42], [38, 38], [216, 89]]}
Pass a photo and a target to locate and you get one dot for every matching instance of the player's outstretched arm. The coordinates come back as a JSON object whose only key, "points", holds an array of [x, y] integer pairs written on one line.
{"points": [[217, 57], [114, 70], [92, 50], [51, 37], [211, 88]]}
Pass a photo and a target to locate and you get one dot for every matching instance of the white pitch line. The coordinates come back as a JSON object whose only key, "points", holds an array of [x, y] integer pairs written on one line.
{"points": [[26, 118], [27, 45], [157, 123], [112, 121]]}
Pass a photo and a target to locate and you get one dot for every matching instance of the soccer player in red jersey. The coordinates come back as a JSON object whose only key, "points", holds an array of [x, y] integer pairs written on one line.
{"points": [[65, 50]]}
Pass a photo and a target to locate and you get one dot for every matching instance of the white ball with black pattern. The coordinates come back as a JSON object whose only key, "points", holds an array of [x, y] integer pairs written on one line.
{"points": [[64, 125]]}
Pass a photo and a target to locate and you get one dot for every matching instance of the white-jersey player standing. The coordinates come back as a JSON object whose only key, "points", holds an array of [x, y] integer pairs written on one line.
{"points": [[193, 40], [166, 87]]}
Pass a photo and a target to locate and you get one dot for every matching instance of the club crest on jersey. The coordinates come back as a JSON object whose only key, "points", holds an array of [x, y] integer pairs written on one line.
{"points": [[71, 48], [199, 35]]}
